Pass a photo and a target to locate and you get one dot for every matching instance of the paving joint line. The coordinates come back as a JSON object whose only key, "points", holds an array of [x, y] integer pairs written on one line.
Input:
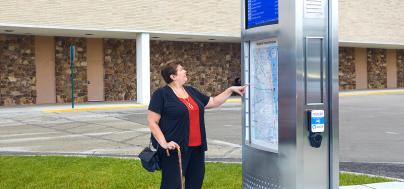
{"points": [[228, 152], [75, 133], [98, 124], [123, 119], [99, 138]]}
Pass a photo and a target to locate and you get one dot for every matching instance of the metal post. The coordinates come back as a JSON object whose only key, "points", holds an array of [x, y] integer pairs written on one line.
{"points": [[72, 48]]}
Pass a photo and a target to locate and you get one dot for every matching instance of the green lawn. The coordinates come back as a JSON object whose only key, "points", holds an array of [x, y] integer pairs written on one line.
{"points": [[353, 179], [94, 172]]}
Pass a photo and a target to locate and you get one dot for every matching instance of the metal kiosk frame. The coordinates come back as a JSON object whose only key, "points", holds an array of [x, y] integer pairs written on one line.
{"points": [[306, 36]]}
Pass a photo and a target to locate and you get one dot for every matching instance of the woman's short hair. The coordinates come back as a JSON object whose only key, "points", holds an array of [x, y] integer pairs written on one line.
{"points": [[167, 70]]}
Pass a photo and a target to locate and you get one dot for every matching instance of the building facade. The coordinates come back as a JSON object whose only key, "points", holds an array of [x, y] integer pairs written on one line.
{"points": [[120, 45]]}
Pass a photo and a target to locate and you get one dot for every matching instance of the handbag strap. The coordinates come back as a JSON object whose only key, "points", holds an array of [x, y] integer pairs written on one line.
{"points": [[151, 144], [157, 147]]}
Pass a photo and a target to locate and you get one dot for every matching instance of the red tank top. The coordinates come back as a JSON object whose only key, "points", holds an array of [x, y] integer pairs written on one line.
{"points": [[194, 122]]}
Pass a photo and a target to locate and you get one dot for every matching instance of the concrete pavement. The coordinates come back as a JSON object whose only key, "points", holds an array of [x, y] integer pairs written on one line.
{"points": [[92, 129]]}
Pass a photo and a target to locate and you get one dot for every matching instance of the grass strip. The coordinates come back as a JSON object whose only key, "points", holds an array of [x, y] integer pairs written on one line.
{"points": [[346, 179], [48, 172]]}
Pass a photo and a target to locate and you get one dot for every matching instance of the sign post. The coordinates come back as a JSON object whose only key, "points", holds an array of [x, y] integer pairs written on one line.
{"points": [[72, 50]]}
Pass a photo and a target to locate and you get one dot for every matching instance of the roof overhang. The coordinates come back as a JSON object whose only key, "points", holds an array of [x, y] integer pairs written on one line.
{"points": [[155, 35], [113, 33], [381, 45]]}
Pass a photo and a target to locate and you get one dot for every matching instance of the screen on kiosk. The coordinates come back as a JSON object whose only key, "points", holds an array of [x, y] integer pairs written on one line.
{"points": [[261, 13]]}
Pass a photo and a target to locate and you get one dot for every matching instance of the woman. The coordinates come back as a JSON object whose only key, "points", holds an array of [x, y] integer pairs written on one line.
{"points": [[176, 120]]}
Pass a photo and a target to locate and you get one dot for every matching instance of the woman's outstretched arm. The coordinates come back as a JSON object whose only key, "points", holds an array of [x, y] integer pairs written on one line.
{"points": [[222, 97]]}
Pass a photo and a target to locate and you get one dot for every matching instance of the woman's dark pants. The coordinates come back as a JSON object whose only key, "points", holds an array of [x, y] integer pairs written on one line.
{"points": [[193, 166]]}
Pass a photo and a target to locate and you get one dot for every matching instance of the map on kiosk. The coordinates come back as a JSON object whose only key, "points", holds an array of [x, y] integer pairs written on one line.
{"points": [[264, 94]]}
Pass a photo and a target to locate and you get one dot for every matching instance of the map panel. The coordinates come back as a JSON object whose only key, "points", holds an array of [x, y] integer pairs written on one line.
{"points": [[264, 95]]}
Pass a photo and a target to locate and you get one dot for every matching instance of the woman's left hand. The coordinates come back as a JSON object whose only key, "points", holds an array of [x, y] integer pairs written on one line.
{"points": [[238, 89]]}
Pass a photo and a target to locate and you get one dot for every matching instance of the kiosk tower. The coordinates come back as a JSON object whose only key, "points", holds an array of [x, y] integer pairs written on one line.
{"points": [[290, 112]]}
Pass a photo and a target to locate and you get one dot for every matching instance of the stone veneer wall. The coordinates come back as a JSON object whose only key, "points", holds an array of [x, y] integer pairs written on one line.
{"points": [[377, 68], [120, 69], [211, 67], [400, 68], [17, 70], [62, 72], [347, 73]]}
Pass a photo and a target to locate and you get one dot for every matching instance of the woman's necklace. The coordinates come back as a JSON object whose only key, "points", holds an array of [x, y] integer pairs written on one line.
{"points": [[186, 99], [189, 103]]}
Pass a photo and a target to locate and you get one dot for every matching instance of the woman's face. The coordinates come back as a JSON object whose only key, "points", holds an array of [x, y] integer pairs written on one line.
{"points": [[181, 76]]}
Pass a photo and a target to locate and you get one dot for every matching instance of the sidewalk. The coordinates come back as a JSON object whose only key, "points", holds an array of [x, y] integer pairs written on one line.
{"points": [[384, 185]]}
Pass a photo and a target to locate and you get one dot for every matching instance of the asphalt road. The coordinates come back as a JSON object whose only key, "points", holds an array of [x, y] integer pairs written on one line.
{"points": [[372, 128]]}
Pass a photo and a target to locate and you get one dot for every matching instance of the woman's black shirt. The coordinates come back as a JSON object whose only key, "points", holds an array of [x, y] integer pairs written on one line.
{"points": [[174, 121]]}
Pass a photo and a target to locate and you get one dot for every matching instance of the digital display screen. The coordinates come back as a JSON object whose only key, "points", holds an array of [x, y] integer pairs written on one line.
{"points": [[261, 12]]}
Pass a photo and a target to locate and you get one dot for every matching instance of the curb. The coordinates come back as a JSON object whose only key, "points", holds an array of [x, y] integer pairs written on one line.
{"points": [[365, 93], [233, 100], [64, 110], [109, 107], [370, 175]]}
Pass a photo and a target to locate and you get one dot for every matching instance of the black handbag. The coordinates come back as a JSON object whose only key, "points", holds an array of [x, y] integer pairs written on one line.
{"points": [[150, 159]]}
